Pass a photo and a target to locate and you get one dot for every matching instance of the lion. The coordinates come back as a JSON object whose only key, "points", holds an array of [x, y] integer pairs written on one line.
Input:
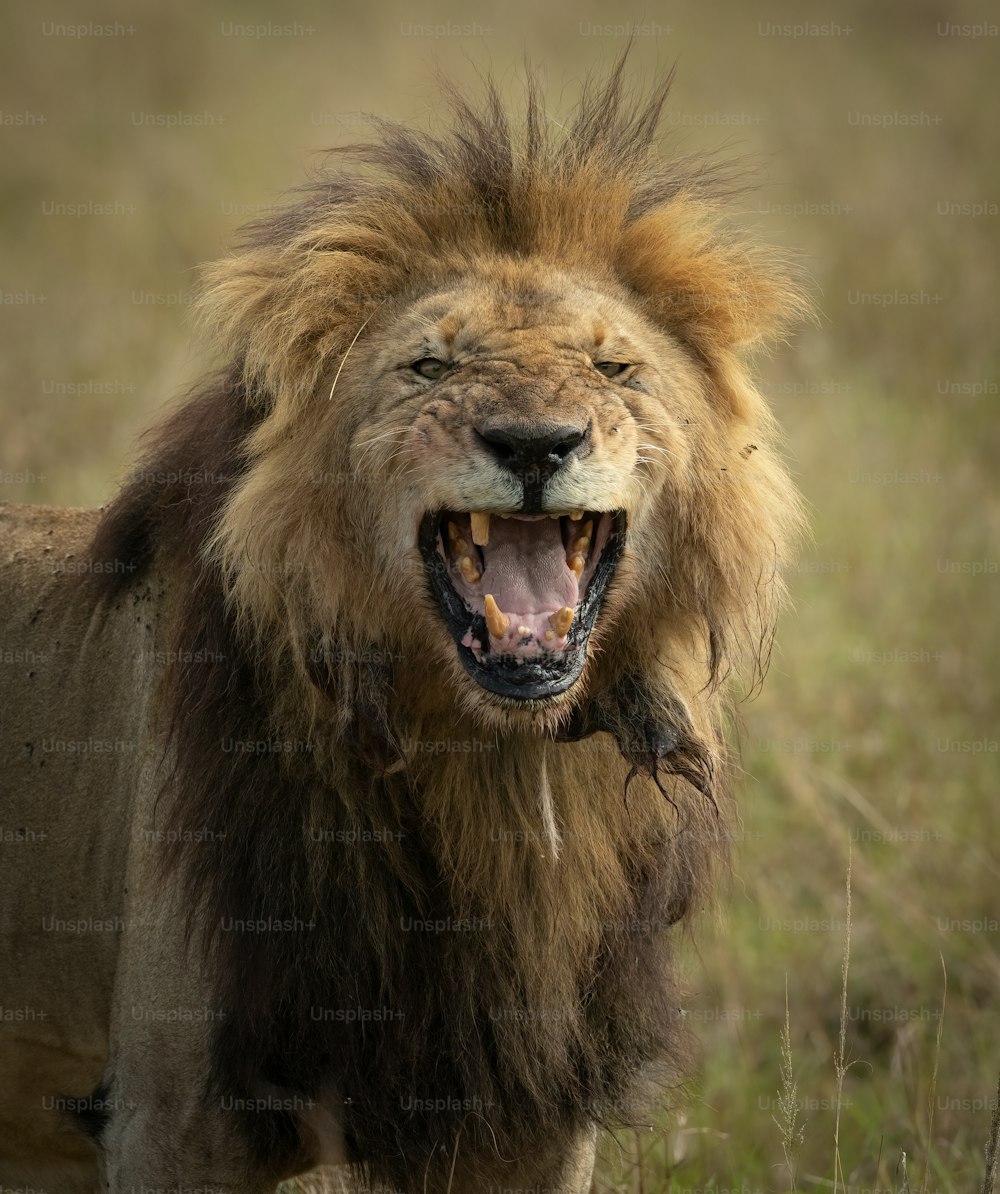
{"points": [[365, 757]]}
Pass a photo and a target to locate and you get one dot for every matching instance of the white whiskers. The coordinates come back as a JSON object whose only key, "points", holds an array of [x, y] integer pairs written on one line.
{"points": [[354, 341]]}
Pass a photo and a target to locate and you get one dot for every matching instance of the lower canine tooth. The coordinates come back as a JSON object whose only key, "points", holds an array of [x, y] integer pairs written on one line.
{"points": [[470, 573], [495, 620], [561, 621], [577, 563], [480, 528]]}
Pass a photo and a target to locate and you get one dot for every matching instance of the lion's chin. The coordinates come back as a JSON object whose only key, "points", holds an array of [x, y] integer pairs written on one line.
{"points": [[521, 594]]}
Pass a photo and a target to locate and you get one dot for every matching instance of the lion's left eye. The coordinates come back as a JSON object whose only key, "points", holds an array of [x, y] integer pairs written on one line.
{"points": [[430, 367], [610, 368]]}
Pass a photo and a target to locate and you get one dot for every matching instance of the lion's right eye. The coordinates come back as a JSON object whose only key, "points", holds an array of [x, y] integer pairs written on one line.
{"points": [[430, 367], [610, 369]]}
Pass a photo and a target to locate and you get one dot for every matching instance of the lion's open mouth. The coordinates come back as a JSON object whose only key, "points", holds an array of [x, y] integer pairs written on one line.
{"points": [[520, 593]]}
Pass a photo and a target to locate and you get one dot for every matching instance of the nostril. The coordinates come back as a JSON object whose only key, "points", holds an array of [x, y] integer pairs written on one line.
{"points": [[501, 448], [563, 448], [520, 445]]}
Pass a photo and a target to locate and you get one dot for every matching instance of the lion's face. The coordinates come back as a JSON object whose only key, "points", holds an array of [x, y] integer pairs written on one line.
{"points": [[540, 426], [504, 426]]}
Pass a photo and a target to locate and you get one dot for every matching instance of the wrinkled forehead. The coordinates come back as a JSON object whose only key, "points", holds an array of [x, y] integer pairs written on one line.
{"points": [[484, 314]]}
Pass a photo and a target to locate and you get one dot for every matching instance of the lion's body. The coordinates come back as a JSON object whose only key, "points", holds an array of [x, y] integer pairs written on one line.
{"points": [[74, 702], [290, 884], [104, 980]]}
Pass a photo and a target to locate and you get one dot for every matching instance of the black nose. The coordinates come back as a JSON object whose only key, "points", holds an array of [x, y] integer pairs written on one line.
{"points": [[534, 451]]}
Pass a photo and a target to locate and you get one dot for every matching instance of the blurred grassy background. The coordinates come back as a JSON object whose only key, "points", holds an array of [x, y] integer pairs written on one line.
{"points": [[136, 138]]}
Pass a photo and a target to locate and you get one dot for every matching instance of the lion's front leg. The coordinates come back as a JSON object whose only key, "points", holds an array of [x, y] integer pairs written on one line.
{"points": [[150, 1151], [568, 1171], [564, 1168], [165, 1127], [578, 1168]]}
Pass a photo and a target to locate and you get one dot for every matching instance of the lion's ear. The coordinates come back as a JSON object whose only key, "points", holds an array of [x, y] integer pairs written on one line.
{"points": [[712, 289], [653, 729]]}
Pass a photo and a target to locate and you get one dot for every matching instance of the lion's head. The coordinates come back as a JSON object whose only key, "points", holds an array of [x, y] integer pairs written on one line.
{"points": [[502, 425]]}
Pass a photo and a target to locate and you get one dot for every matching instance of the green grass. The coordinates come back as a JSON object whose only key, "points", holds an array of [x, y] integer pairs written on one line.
{"points": [[875, 736]]}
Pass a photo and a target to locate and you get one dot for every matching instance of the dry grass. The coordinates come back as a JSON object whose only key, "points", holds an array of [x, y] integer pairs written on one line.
{"points": [[877, 728]]}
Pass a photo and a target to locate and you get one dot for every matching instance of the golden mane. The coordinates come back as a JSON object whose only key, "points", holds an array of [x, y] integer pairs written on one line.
{"points": [[410, 211]]}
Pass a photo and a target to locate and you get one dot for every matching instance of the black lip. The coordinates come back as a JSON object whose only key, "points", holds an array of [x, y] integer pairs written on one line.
{"points": [[508, 675]]}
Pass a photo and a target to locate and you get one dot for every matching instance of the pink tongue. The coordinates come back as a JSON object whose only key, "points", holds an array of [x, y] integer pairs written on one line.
{"points": [[526, 569]]}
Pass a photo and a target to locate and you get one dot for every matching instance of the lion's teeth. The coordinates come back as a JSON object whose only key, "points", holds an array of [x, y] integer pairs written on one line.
{"points": [[480, 528], [458, 544], [582, 541], [577, 563], [495, 620], [549, 635], [561, 621], [470, 573], [576, 515], [524, 631]]}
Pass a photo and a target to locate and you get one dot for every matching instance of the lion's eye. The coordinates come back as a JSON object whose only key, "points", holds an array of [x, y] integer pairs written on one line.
{"points": [[430, 367], [610, 368]]}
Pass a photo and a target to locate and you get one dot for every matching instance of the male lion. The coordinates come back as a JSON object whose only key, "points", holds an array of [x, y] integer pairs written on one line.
{"points": [[364, 752]]}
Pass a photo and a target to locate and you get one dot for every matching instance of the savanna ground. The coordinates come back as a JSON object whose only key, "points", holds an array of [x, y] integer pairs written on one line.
{"points": [[133, 152]]}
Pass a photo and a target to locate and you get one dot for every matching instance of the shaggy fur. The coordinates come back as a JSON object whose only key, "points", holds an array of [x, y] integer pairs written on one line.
{"points": [[281, 506]]}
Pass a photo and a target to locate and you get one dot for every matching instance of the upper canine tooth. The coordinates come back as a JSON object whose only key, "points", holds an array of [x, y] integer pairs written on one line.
{"points": [[577, 563], [583, 540], [469, 571], [561, 621], [495, 619], [480, 528]]}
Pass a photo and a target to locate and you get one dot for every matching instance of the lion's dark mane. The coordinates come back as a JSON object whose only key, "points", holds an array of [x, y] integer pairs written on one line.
{"points": [[433, 988]]}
